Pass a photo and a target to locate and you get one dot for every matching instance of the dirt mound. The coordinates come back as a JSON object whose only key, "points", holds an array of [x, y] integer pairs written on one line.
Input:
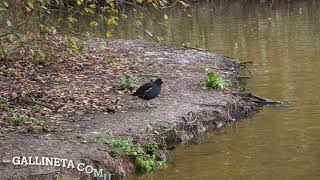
{"points": [[183, 111]]}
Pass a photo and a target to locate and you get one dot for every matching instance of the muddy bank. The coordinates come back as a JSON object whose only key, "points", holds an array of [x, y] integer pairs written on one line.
{"points": [[182, 112]]}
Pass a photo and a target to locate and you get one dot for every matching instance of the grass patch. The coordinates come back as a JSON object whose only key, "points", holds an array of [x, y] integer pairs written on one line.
{"points": [[144, 156], [145, 163], [3, 52], [125, 146], [96, 140], [212, 80], [5, 106], [21, 120], [128, 82]]}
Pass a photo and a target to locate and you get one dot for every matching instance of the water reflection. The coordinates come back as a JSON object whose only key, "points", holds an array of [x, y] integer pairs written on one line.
{"points": [[283, 39]]}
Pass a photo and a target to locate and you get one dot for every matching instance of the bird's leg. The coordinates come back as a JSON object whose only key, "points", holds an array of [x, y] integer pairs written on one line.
{"points": [[146, 103]]}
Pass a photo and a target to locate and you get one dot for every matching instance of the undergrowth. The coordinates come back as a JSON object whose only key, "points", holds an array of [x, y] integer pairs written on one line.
{"points": [[144, 155]]}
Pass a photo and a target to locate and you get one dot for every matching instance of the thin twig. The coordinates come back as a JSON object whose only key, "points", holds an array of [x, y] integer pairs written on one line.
{"points": [[246, 67]]}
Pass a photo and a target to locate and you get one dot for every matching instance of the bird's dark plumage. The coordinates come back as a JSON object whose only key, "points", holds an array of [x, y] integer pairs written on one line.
{"points": [[149, 90]]}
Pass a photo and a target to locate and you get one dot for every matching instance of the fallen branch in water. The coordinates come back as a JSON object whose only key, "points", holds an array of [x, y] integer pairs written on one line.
{"points": [[243, 77], [198, 49], [258, 99], [246, 67], [246, 62]]}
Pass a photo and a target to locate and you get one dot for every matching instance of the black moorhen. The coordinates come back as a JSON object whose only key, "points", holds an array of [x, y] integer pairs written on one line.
{"points": [[149, 91]]}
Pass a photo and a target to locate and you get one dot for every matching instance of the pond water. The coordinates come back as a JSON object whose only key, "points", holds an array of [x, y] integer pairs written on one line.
{"points": [[283, 39]]}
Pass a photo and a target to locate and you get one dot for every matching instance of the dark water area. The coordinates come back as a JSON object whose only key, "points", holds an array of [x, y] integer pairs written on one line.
{"points": [[283, 40]]}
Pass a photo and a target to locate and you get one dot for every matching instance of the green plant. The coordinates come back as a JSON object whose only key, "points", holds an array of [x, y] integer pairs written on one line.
{"points": [[5, 106], [151, 146], [96, 140], [125, 146], [143, 161], [75, 45], [20, 120], [127, 82], [44, 21], [3, 52], [212, 80], [144, 157], [146, 162]]}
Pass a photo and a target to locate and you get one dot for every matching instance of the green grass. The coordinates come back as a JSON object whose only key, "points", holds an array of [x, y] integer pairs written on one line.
{"points": [[126, 146], [3, 52], [96, 140], [18, 120], [21, 120], [144, 161], [128, 82], [5, 106], [212, 80]]}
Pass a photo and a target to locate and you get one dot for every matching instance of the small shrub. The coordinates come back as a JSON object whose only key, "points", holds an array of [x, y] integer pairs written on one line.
{"points": [[212, 80]]}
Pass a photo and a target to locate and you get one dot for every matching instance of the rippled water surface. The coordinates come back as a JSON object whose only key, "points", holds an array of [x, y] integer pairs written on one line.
{"points": [[284, 42]]}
